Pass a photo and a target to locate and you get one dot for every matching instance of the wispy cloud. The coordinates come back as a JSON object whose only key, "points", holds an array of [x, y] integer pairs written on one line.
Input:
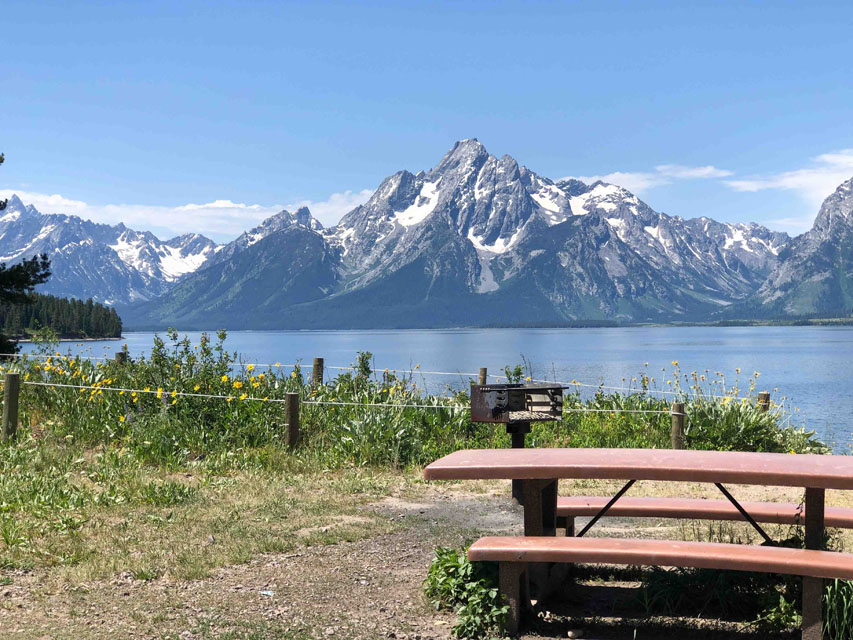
{"points": [[219, 219], [640, 181], [813, 183]]}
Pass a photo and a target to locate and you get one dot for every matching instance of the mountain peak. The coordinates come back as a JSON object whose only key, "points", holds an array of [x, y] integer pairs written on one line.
{"points": [[837, 208], [466, 152]]}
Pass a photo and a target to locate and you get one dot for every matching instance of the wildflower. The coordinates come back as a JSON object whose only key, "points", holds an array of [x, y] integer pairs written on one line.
{"points": [[197, 387], [159, 392], [238, 384], [27, 377], [293, 374], [147, 389], [756, 373], [121, 393], [278, 364], [527, 379], [175, 401], [229, 399], [121, 418], [669, 381], [675, 363], [258, 384], [133, 394], [224, 378], [261, 376], [417, 366], [243, 396], [174, 394], [737, 370], [266, 398], [250, 368]]}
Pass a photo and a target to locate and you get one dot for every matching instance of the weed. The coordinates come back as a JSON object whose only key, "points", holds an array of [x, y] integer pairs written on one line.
{"points": [[470, 589]]}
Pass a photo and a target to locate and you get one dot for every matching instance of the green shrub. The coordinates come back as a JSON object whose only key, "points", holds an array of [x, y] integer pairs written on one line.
{"points": [[468, 588]]}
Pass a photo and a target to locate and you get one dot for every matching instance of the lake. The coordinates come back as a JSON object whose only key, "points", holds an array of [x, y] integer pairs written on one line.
{"points": [[811, 366]]}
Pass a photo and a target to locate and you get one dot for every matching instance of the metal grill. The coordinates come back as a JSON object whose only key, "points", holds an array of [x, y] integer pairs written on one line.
{"points": [[510, 403]]}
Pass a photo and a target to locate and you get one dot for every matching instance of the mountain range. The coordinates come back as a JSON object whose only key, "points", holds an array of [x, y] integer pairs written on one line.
{"points": [[477, 240]]}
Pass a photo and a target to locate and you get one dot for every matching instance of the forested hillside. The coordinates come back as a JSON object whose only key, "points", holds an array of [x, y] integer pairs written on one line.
{"points": [[69, 318]]}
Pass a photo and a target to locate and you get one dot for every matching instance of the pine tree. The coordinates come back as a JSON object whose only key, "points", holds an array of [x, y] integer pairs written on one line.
{"points": [[18, 281]]}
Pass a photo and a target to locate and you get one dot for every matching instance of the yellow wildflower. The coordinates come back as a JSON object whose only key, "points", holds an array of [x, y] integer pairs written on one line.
{"points": [[527, 378], [258, 384], [197, 387], [121, 418], [675, 363], [174, 394], [229, 399], [224, 378], [250, 368], [159, 392], [238, 384], [243, 396]]}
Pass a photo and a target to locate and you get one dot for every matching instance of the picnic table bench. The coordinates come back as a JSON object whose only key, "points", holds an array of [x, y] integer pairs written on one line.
{"points": [[539, 471]]}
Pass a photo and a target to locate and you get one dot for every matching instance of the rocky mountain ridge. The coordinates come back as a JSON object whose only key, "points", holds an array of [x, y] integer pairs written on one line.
{"points": [[481, 240]]}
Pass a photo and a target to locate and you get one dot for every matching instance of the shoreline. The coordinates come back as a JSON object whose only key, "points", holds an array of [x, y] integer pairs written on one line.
{"points": [[30, 340]]}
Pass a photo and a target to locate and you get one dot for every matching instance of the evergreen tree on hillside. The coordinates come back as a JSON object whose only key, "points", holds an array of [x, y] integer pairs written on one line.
{"points": [[18, 281]]}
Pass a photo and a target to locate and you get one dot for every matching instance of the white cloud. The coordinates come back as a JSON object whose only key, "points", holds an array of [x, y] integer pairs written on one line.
{"points": [[331, 210], [681, 172], [640, 181], [812, 183], [220, 219]]}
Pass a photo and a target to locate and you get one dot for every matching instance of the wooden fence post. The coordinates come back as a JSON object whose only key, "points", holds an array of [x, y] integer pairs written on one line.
{"points": [[11, 391], [483, 378], [764, 401], [121, 357], [677, 425], [291, 411], [317, 373]]}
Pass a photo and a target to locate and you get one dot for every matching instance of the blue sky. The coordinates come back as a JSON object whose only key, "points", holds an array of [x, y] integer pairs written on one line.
{"points": [[208, 116]]}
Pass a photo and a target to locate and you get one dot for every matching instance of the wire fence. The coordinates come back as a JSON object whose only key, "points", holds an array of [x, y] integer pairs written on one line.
{"points": [[413, 371]]}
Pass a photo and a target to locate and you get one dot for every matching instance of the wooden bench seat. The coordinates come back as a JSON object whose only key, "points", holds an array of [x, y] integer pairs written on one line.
{"points": [[693, 508], [513, 554]]}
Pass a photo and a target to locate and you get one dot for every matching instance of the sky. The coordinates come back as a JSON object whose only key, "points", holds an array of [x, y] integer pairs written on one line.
{"points": [[209, 116]]}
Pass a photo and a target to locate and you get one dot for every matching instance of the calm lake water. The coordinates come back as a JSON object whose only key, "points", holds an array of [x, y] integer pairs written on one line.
{"points": [[811, 366]]}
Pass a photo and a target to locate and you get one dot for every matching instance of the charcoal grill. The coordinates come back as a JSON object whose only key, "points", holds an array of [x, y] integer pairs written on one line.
{"points": [[516, 406]]}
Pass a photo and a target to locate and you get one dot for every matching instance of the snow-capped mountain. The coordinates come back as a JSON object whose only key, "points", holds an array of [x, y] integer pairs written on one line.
{"points": [[112, 264], [814, 276], [477, 240]]}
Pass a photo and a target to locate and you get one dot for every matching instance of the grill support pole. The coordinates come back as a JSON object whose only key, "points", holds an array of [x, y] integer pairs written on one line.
{"points": [[517, 431], [813, 587]]}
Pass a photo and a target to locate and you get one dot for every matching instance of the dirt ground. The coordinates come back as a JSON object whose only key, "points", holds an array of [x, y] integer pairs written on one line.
{"points": [[365, 589]]}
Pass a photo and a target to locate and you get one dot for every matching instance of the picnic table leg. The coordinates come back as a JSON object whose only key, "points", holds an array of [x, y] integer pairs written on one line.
{"points": [[512, 577], [813, 587], [540, 519]]}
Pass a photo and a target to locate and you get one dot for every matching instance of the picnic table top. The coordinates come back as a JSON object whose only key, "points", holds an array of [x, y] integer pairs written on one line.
{"points": [[771, 469]]}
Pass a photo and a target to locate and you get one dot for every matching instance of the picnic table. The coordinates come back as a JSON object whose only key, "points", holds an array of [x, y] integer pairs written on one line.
{"points": [[539, 471]]}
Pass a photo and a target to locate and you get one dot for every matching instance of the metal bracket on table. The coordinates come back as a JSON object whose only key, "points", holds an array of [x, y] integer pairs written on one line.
{"points": [[605, 509], [746, 515]]}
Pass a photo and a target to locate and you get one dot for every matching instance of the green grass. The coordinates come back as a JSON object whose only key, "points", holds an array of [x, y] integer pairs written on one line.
{"points": [[96, 474]]}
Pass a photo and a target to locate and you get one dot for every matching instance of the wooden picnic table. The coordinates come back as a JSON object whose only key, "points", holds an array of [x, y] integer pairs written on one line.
{"points": [[539, 471]]}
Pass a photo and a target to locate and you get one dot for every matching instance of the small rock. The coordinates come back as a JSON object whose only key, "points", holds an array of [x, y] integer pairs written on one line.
{"points": [[575, 633]]}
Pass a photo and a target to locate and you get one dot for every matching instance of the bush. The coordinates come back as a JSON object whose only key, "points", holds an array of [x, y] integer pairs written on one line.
{"points": [[470, 589]]}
